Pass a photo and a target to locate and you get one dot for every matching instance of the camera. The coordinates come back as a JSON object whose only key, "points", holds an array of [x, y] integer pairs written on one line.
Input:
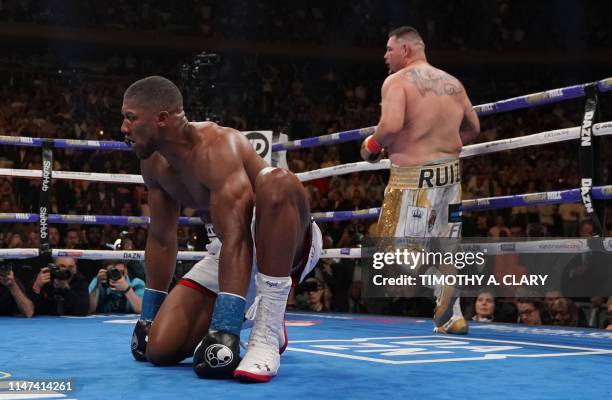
{"points": [[199, 79], [113, 274], [5, 268], [201, 63], [58, 273]]}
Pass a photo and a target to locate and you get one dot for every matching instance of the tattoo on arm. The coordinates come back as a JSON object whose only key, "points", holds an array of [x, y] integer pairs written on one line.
{"points": [[435, 82]]}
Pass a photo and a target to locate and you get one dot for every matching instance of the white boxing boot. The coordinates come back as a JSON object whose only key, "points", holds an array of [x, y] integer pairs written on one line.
{"points": [[268, 336]]}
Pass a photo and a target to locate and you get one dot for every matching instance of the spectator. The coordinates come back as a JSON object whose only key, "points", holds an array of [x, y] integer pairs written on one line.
{"points": [[550, 296], [12, 294], [500, 229], [354, 183], [71, 240], [597, 312], [59, 289], [32, 240], [585, 229], [15, 241], [564, 312], [136, 268], [484, 307], [113, 291], [317, 294], [94, 238], [54, 237], [531, 311]]}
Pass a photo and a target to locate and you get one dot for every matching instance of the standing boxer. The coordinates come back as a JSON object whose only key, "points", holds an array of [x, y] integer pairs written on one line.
{"points": [[426, 118]]}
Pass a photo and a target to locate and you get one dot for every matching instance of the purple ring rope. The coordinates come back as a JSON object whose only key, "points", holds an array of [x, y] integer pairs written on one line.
{"points": [[490, 203], [526, 101]]}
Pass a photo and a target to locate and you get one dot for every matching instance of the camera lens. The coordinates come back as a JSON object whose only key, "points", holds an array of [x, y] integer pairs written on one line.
{"points": [[114, 274], [58, 273]]}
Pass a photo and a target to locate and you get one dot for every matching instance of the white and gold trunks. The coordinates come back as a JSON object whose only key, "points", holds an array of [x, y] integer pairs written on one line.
{"points": [[422, 201]]}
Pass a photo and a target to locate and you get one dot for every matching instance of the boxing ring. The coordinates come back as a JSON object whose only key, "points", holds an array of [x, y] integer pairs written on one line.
{"points": [[329, 355]]}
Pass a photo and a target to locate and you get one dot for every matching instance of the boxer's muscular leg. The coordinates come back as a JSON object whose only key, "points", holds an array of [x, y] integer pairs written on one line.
{"points": [[282, 219], [181, 322]]}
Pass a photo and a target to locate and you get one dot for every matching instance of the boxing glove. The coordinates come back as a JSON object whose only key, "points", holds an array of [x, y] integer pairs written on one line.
{"points": [[140, 338], [371, 151], [217, 355]]}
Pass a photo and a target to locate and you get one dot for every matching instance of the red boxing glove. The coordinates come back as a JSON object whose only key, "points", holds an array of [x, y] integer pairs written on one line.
{"points": [[371, 151]]}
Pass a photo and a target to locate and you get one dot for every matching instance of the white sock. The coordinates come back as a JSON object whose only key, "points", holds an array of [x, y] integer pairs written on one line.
{"points": [[273, 285]]}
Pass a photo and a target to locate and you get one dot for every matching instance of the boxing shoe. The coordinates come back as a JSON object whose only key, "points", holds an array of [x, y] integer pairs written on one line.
{"points": [[447, 315], [217, 355], [455, 326], [260, 363], [268, 337], [140, 338], [248, 323]]}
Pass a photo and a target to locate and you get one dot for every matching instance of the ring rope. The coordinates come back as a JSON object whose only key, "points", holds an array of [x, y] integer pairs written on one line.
{"points": [[97, 254], [537, 246], [554, 136], [526, 101], [482, 204], [515, 103], [547, 97]]}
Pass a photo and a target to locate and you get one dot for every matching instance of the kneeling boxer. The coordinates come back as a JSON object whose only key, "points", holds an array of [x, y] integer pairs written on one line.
{"points": [[253, 210]]}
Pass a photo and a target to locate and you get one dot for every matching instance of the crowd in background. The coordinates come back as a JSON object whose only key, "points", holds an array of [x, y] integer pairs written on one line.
{"points": [[45, 95], [502, 24]]}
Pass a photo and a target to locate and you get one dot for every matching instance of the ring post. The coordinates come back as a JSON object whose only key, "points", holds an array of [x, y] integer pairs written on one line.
{"points": [[44, 199], [589, 160]]}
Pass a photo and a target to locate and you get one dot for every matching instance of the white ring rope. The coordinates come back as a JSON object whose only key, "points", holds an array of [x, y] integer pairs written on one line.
{"points": [[71, 175], [527, 247], [554, 136], [97, 254]]}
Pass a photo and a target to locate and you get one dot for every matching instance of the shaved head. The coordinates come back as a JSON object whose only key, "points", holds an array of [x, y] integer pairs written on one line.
{"points": [[408, 34], [404, 47], [156, 92], [152, 106]]}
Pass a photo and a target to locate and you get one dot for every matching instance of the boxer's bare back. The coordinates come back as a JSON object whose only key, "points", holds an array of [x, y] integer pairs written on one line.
{"points": [[434, 105]]}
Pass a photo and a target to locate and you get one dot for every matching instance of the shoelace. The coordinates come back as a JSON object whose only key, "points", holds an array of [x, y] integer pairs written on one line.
{"points": [[262, 331], [251, 314], [252, 311]]}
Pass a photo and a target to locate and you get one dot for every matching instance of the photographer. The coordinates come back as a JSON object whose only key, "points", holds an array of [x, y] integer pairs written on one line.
{"points": [[113, 291], [59, 289], [318, 296], [12, 297], [136, 268]]}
